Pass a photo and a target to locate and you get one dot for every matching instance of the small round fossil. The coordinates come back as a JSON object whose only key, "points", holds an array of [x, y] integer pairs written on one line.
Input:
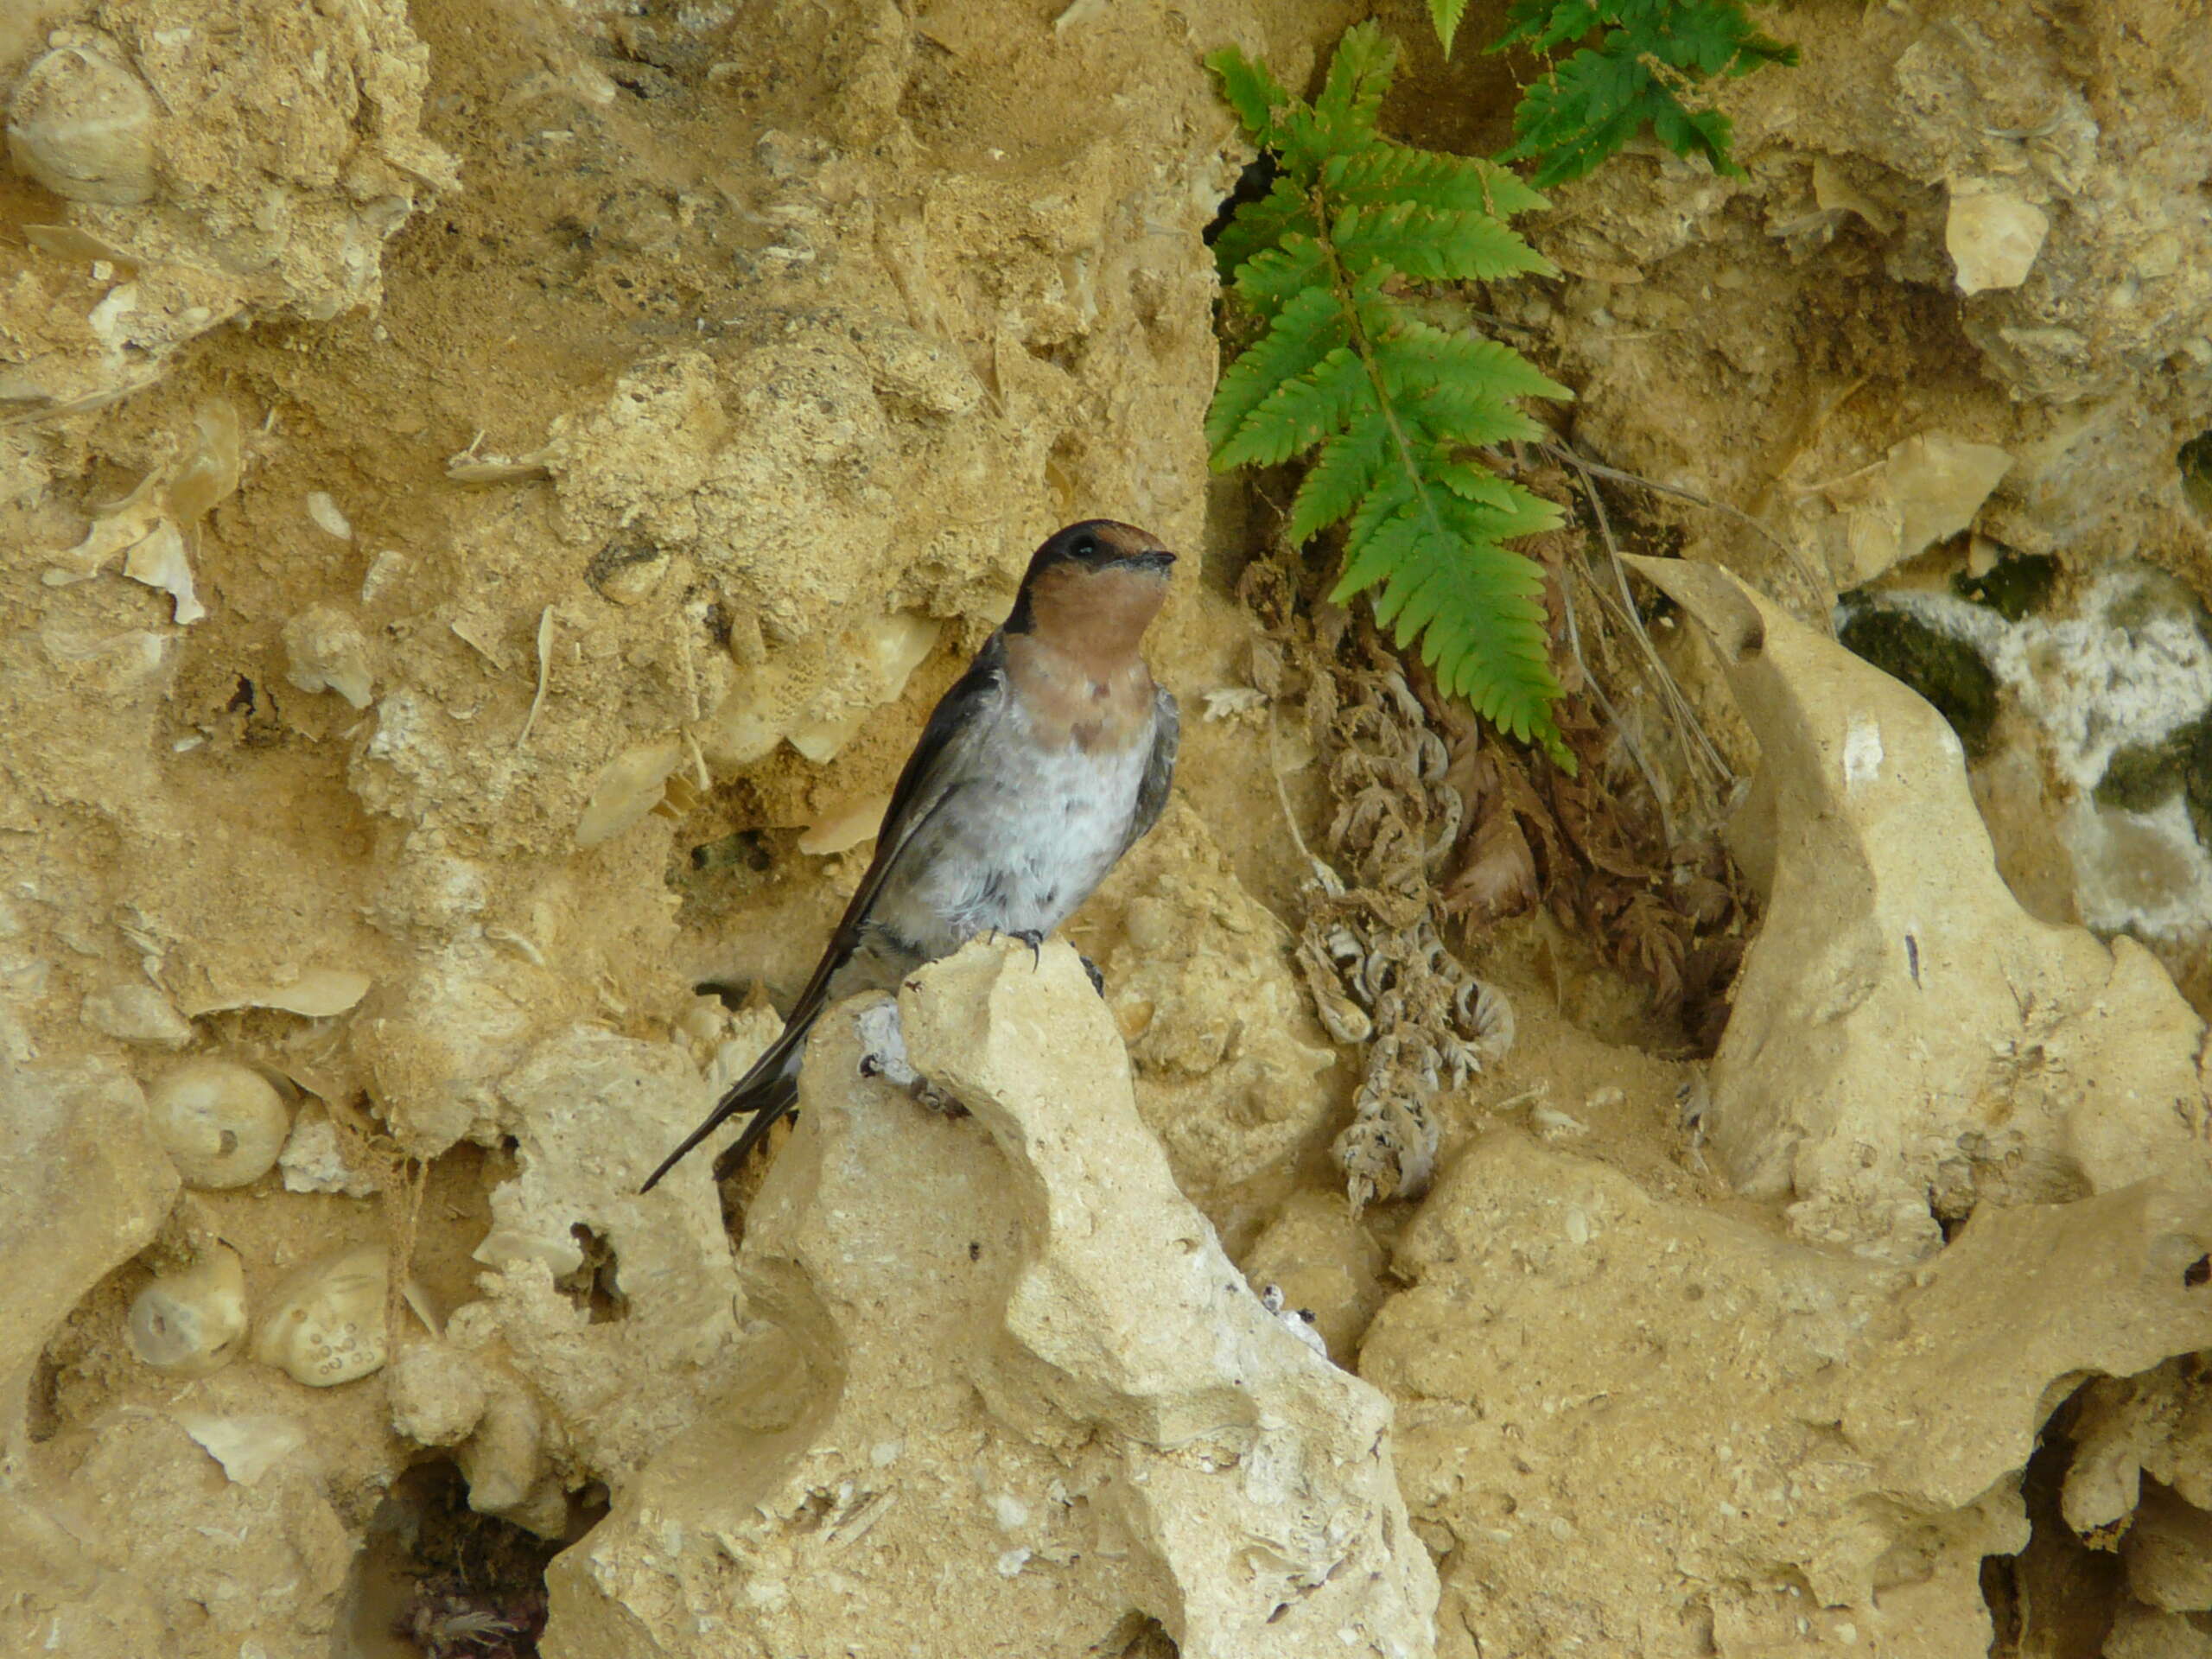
{"points": [[222, 1124], [191, 1322], [325, 1323], [82, 125]]}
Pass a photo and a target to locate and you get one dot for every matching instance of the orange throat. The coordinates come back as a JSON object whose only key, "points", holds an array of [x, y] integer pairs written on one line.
{"points": [[1078, 669]]}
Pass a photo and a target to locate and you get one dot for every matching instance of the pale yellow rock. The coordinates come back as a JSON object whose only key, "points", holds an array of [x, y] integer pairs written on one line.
{"points": [[1903, 1030], [316, 993], [138, 1013], [2140, 1632], [156, 129], [80, 124], [1015, 1400], [2168, 1555], [191, 1323], [591, 1114], [222, 1124], [229, 1565], [629, 787], [818, 693], [1992, 237], [324, 651], [1929, 489], [1326, 1262], [325, 1323], [2125, 1427], [1233, 1073], [438, 1394], [1617, 1404], [846, 828], [83, 1186]]}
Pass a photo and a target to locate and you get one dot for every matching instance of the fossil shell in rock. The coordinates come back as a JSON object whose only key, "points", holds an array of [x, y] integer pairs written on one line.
{"points": [[191, 1322], [325, 1323], [222, 1124], [82, 125], [210, 469], [628, 787], [325, 650]]}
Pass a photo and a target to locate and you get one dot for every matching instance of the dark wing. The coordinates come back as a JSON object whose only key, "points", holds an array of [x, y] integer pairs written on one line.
{"points": [[1159, 767], [930, 777]]}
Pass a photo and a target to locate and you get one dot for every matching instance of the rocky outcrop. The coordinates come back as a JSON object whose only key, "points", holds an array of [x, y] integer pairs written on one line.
{"points": [[1010, 1396]]}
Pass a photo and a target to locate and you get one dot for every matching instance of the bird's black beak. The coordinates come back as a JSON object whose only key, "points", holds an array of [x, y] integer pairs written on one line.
{"points": [[1158, 558]]}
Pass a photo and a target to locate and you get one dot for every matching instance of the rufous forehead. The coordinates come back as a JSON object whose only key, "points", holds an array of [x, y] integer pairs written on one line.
{"points": [[1126, 538]]}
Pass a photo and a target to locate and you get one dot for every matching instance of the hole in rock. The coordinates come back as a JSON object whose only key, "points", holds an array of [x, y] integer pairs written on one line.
{"points": [[437, 1581], [2056, 1598], [2194, 459], [1252, 184], [594, 1286], [744, 849], [1138, 1637], [43, 1401], [2018, 585], [1948, 671], [2197, 1272]]}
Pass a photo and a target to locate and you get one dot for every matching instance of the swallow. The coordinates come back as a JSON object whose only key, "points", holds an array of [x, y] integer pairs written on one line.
{"points": [[1045, 763]]}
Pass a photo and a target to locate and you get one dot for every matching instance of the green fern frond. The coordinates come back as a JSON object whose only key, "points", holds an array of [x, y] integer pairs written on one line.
{"points": [[1273, 277], [1421, 354], [1387, 173], [1299, 413], [1352, 93], [1446, 567], [1252, 91], [1283, 212], [1650, 54], [1309, 328], [1445, 16], [1345, 471], [1459, 246], [1391, 408]]}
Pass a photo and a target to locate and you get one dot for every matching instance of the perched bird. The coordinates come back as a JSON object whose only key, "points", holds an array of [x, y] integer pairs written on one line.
{"points": [[1037, 771]]}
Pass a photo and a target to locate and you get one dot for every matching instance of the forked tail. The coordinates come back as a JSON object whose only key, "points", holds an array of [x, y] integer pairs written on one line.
{"points": [[767, 1091]]}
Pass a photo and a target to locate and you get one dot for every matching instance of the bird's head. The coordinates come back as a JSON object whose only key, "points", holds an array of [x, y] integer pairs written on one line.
{"points": [[1100, 583]]}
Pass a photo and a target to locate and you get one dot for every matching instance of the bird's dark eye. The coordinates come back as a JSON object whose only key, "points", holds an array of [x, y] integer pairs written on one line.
{"points": [[1086, 547]]}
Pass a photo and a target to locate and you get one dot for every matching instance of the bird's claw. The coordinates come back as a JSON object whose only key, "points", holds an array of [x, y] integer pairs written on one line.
{"points": [[1035, 938], [930, 1098]]}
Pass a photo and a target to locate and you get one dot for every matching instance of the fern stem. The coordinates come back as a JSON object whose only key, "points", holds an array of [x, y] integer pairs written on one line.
{"points": [[1341, 284]]}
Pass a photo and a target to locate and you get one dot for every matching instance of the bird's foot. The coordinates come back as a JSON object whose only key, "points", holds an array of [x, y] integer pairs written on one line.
{"points": [[1035, 938], [883, 1054], [1097, 979], [883, 1047]]}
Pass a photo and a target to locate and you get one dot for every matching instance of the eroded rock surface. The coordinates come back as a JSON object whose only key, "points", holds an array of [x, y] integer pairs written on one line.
{"points": [[1907, 1041], [1015, 1390], [1771, 1446]]}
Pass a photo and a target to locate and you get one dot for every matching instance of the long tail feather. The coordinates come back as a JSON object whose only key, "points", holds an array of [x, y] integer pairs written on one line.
{"points": [[766, 1090], [781, 1098]]}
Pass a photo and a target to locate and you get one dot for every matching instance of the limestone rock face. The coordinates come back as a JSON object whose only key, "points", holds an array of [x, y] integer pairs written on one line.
{"points": [[1233, 1073], [83, 1186], [1633, 1425], [211, 162], [1906, 1039], [1013, 1398], [2017, 198]]}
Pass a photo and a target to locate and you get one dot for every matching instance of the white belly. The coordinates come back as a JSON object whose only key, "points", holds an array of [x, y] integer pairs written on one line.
{"points": [[1021, 849]]}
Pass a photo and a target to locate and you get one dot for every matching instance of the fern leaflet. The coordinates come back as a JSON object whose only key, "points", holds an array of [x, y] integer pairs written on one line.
{"points": [[1648, 55], [1391, 408]]}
